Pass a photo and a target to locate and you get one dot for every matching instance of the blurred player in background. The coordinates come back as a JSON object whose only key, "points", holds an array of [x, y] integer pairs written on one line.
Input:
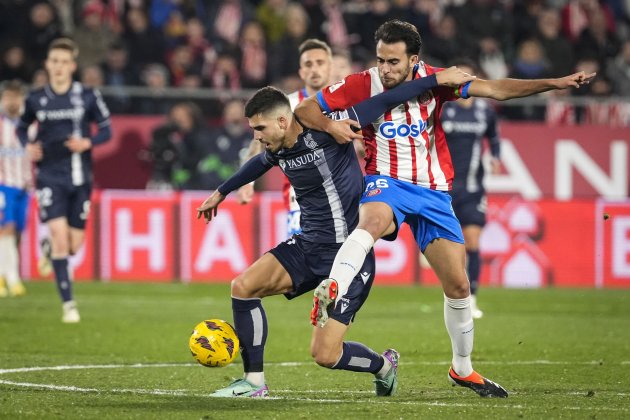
{"points": [[409, 175], [328, 183], [315, 69], [15, 180], [64, 110], [466, 122]]}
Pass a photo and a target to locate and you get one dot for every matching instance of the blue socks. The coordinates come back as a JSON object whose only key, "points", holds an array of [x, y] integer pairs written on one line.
{"points": [[62, 277], [250, 323], [473, 266], [356, 357]]}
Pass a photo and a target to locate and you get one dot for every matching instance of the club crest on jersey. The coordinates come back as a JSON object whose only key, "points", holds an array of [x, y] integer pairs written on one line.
{"points": [[391, 130], [425, 98], [282, 164], [310, 142]]}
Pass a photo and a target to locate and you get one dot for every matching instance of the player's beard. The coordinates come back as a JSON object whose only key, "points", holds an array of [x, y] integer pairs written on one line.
{"points": [[390, 84]]}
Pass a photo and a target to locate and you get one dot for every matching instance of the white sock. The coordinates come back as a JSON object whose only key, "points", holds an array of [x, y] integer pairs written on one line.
{"points": [[11, 269], [459, 323], [256, 378], [385, 369], [350, 258]]}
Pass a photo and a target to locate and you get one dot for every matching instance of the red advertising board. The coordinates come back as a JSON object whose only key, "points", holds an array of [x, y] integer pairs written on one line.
{"points": [[612, 244], [138, 233], [221, 249]]}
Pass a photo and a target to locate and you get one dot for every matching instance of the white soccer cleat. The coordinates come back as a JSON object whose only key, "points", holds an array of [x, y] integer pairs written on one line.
{"points": [[70, 313], [476, 312]]}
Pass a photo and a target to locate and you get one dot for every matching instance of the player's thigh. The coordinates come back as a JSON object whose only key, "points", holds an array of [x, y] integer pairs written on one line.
{"points": [[448, 260], [327, 342], [79, 206], [77, 236], [266, 277], [472, 233], [377, 218]]}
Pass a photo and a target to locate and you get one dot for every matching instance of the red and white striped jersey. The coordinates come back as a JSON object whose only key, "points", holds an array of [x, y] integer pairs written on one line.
{"points": [[407, 142], [15, 166]]}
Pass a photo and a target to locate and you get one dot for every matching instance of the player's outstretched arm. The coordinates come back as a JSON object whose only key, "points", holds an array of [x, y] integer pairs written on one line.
{"points": [[504, 89], [246, 192], [250, 171]]}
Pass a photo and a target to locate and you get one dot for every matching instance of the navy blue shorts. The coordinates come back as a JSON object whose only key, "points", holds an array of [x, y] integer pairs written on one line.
{"points": [[309, 263], [63, 200], [470, 208], [13, 207]]}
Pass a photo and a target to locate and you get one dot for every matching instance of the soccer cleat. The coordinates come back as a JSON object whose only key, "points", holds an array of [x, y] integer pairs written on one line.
{"points": [[323, 301], [474, 309], [70, 313], [17, 289], [386, 386], [3, 288], [482, 386], [44, 264], [242, 388]]}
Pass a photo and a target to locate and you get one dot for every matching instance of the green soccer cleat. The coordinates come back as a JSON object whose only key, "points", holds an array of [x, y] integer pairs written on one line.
{"points": [[386, 386], [242, 388]]}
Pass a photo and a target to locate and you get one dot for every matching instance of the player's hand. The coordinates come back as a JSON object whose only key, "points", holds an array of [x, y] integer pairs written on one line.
{"points": [[246, 193], [344, 131], [209, 207], [575, 80], [35, 151], [453, 77], [495, 166], [78, 145]]}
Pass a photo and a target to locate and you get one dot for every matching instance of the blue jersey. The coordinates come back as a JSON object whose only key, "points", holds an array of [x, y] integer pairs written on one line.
{"points": [[59, 117], [465, 128], [328, 184]]}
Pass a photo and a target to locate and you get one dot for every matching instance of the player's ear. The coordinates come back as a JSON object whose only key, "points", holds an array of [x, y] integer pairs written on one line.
{"points": [[283, 123], [414, 59]]}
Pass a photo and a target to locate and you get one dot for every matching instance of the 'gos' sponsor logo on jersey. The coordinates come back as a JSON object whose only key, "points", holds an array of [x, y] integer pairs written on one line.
{"points": [[390, 130]]}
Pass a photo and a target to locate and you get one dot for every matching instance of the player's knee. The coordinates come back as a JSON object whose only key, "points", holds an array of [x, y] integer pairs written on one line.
{"points": [[458, 290], [237, 287], [325, 357]]}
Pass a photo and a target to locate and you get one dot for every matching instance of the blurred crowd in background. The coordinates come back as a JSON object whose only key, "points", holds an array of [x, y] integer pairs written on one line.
{"points": [[238, 44]]}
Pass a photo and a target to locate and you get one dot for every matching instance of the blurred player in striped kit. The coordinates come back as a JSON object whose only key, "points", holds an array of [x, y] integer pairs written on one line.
{"points": [[15, 180], [62, 150], [466, 122], [315, 69]]}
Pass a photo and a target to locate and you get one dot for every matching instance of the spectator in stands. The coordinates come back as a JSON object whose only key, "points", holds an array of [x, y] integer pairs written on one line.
{"points": [[557, 48], [491, 59], [40, 79], [224, 147], [181, 63], [530, 62], [272, 16], [15, 64], [118, 74], [92, 37], [202, 50], [528, 12], [145, 44], [341, 66], [285, 54], [443, 45], [165, 154], [484, 20], [155, 76], [225, 19], [92, 76], [225, 74], [596, 40], [618, 71], [41, 29], [254, 60]]}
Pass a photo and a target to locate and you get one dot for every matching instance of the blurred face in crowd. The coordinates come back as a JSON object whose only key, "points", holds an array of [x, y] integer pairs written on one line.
{"points": [[234, 113], [341, 67], [315, 68], [11, 102], [182, 117], [270, 128], [393, 63], [42, 15], [60, 66], [92, 76]]}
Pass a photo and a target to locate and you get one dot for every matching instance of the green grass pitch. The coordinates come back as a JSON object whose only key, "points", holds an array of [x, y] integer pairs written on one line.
{"points": [[560, 353]]}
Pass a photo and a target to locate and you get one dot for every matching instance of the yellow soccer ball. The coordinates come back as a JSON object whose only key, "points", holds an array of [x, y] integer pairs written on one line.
{"points": [[213, 343]]}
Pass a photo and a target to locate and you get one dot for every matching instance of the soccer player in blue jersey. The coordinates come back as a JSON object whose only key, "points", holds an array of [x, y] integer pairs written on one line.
{"points": [[466, 122], [64, 111], [328, 183], [15, 181]]}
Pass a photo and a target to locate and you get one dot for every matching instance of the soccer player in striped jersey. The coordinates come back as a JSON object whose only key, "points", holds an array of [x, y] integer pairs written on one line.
{"points": [[64, 111], [409, 173], [328, 183], [466, 122], [315, 68], [15, 180]]}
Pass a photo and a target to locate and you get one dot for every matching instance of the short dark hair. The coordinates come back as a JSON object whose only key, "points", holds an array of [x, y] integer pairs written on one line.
{"points": [[394, 31], [64, 44], [314, 44], [14, 85], [265, 100]]}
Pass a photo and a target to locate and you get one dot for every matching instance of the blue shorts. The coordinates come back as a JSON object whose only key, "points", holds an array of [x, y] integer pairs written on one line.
{"points": [[309, 263], [13, 207], [63, 200], [470, 208], [427, 212]]}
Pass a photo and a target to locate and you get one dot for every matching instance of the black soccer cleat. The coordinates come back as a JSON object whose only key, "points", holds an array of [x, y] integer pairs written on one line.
{"points": [[482, 386]]}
